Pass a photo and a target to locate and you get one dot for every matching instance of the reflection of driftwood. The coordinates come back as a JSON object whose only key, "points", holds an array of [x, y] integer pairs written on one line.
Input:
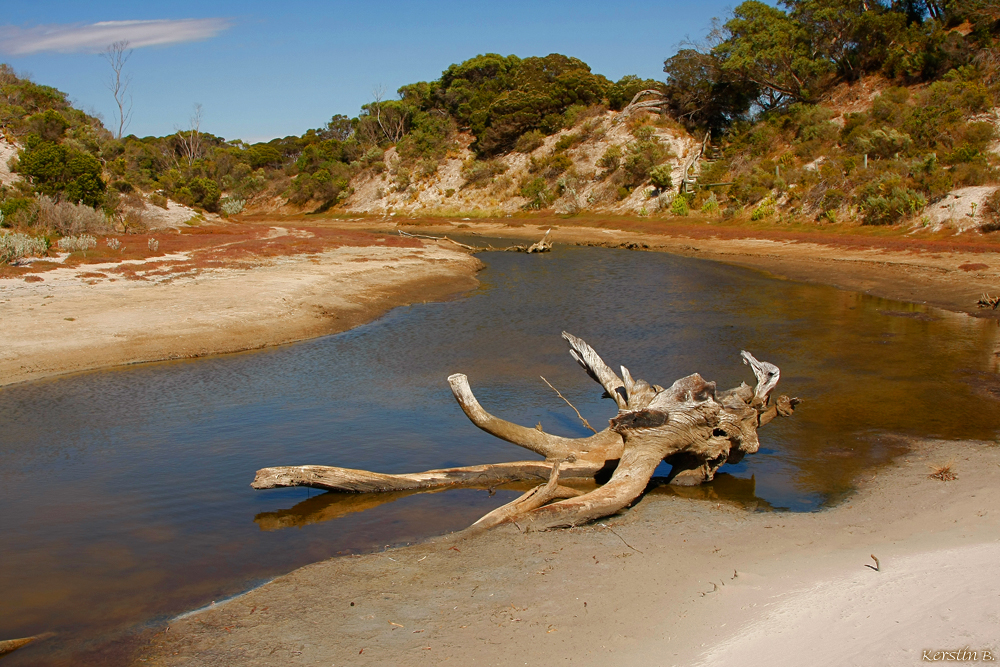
{"points": [[987, 301], [10, 645], [329, 506], [545, 245], [689, 425]]}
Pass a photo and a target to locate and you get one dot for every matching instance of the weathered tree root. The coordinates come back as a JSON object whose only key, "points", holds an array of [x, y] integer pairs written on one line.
{"points": [[689, 425]]}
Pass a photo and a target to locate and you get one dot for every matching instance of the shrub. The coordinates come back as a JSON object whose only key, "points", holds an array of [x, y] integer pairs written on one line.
{"points": [[17, 246], [529, 141], [233, 206], [567, 142], [82, 242], [711, 205], [156, 199], [611, 159], [662, 176], [536, 191], [891, 207], [478, 174], [402, 179], [60, 171], [679, 206], [68, 219], [763, 210]]}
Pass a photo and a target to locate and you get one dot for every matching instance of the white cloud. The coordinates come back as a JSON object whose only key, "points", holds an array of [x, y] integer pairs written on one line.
{"points": [[95, 37]]}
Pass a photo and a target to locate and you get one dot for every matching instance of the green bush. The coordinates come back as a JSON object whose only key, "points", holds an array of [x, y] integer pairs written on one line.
{"points": [[887, 200], [566, 142], [529, 141], [59, 171], [662, 176], [478, 174], [536, 191], [611, 159], [679, 206], [711, 205], [763, 210]]}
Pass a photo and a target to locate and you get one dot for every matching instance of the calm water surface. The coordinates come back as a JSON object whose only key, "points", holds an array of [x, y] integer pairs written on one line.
{"points": [[125, 494]]}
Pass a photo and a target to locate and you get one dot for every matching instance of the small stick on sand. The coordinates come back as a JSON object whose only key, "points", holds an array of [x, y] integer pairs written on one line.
{"points": [[877, 565]]}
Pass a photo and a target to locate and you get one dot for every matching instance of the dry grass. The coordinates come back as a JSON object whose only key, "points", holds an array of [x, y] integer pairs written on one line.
{"points": [[943, 472]]}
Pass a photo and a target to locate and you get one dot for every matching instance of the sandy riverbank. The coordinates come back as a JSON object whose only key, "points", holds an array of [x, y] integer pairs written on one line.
{"points": [[674, 581], [78, 319]]}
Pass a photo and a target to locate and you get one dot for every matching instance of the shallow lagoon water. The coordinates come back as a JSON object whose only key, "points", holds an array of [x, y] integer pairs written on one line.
{"points": [[126, 497]]}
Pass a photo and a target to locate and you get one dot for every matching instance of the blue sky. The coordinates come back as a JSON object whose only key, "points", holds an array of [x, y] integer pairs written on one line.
{"points": [[266, 69]]}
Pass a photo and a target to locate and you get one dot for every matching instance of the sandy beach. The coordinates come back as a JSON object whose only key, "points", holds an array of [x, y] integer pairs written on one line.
{"points": [[77, 319]]}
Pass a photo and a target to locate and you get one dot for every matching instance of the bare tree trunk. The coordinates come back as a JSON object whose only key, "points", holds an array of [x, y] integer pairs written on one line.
{"points": [[689, 425], [117, 54], [191, 142]]}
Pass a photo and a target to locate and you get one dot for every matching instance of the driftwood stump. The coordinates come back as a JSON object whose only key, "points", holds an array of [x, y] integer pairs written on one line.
{"points": [[689, 425]]}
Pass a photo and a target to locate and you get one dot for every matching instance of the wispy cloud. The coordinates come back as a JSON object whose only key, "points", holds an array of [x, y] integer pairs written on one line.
{"points": [[95, 37]]}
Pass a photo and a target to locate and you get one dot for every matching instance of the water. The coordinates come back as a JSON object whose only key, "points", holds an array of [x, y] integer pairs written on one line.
{"points": [[126, 497]]}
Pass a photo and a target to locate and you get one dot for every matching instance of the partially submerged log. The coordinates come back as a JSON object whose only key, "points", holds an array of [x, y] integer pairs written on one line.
{"points": [[689, 425]]}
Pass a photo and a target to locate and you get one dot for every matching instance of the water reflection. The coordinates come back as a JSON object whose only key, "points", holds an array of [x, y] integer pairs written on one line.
{"points": [[126, 493]]}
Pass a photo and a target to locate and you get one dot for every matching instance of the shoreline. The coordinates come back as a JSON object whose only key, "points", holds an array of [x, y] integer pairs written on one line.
{"points": [[673, 581], [68, 325]]}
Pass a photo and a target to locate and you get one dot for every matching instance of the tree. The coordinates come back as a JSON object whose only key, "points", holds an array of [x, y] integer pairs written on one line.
{"points": [[116, 55], [701, 95], [190, 141], [773, 50], [339, 128]]}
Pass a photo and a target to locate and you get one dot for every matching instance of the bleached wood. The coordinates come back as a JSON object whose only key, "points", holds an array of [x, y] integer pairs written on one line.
{"points": [[689, 424]]}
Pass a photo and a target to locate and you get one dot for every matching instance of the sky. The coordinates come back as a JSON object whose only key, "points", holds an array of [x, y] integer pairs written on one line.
{"points": [[262, 70]]}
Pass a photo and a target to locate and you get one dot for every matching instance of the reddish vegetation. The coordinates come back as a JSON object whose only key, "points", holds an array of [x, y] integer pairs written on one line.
{"points": [[973, 267], [209, 247]]}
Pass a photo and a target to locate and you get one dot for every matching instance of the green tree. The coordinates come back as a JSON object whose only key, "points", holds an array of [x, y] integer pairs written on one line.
{"points": [[774, 51], [700, 94], [61, 172]]}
